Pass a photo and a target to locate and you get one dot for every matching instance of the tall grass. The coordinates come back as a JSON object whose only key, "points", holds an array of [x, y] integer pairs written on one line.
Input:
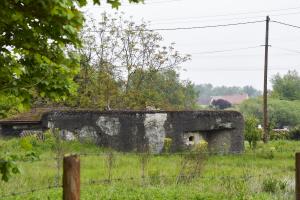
{"points": [[252, 175]]}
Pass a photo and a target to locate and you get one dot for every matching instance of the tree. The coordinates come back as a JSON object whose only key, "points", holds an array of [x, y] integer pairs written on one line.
{"points": [[124, 65], [165, 90], [251, 91], [34, 35], [207, 91], [252, 133], [281, 112], [286, 87]]}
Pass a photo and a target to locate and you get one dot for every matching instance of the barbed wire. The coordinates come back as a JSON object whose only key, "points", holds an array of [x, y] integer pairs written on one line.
{"points": [[160, 154], [120, 179], [30, 160], [189, 176], [210, 153], [13, 194]]}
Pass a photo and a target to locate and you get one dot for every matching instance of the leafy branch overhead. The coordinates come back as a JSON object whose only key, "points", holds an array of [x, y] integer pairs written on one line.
{"points": [[34, 35]]}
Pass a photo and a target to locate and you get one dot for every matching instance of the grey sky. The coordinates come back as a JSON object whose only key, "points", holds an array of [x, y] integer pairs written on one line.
{"points": [[239, 68]]}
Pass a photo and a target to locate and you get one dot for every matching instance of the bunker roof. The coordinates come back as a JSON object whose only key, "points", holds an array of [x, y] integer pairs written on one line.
{"points": [[35, 114]]}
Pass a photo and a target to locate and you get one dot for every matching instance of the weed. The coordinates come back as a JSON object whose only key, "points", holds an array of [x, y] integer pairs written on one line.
{"points": [[267, 153], [154, 177], [25, 143], [269, 185], [235, 186], [167, 145], [191, 166], [144, 161], [110, 160]]}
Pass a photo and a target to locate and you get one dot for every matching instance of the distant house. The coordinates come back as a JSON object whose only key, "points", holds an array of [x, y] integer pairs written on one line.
{"points": [[235, 99], [204, 100]]}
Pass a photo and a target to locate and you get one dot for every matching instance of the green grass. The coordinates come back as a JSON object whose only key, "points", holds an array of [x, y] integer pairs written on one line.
{"points": [[266, 173]]}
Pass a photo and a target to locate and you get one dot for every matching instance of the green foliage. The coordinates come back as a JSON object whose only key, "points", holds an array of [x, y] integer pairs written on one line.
{"points": [[279, 135], [271, 185], [10, 105], [8, 167], [224, 176], [281, 112], [34, 35], [125, 69], [252, 133], [26, 144], [236, 187], [154, 176], [201, 147], [267, 153], [168, 92], [33, 39], [286, 87], [31, 156]]}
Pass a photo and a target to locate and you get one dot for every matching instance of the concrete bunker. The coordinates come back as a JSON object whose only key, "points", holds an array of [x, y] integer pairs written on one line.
{"points": [[135, 130]]}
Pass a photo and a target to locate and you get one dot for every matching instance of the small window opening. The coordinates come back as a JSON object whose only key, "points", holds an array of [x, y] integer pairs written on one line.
{"points": [[191, 138]]}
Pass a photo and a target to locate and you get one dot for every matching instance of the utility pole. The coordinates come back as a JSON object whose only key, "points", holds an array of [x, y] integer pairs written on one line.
{"points": [[265, 95]]}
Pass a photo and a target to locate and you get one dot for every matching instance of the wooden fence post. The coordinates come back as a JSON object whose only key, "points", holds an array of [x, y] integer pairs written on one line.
{"points": [[71, 178], [297, 175]]}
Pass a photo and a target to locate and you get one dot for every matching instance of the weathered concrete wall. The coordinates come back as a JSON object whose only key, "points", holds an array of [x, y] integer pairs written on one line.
{"points": [[15, 129], [137, 130]]}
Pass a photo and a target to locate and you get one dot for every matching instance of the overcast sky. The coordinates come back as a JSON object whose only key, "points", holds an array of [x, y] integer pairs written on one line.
{"points": [[231, 68]]}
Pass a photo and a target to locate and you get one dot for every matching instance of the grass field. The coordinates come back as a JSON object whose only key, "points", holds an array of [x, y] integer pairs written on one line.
{"points": [[266, 173]]}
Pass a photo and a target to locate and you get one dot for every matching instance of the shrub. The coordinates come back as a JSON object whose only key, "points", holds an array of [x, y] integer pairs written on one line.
{"points": [[281, 113], [31, 156], [295, 133], [167, 145], [268, 153], [279, 135], [8, 167], [269, 185], [252, 133], [272, 185], [236, 188], [201, 147], [26, 144]]}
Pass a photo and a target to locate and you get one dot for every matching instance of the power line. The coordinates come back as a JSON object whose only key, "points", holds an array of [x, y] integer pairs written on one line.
{"points": [[282, 23], [185, 20], [288, 50], [238, 55], [233, 14], [194, 27], [241, 69], [226, 50], [208, 26]]}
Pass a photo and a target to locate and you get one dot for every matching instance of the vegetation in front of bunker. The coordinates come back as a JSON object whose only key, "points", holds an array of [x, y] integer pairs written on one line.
{"points": [[148, 176]]}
